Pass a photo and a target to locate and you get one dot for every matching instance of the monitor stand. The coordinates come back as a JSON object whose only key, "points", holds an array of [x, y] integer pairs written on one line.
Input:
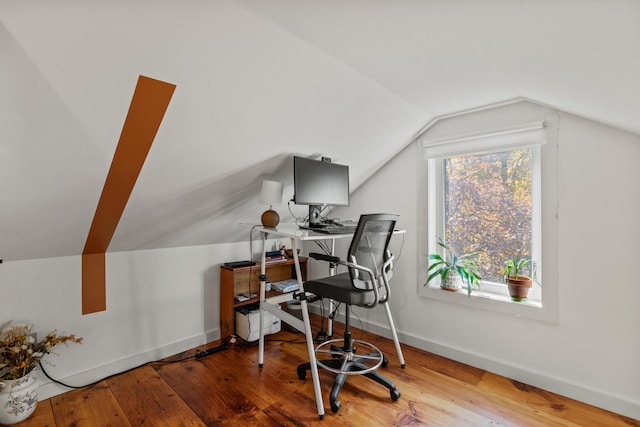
{"points": [[314, 216]]}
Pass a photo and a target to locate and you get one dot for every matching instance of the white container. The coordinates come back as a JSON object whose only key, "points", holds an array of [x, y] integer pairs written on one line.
{"points": [[18, 399], [248, 325]]}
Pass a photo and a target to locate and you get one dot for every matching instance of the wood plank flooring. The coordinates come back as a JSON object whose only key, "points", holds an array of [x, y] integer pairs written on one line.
{"points": [[227, 389]]}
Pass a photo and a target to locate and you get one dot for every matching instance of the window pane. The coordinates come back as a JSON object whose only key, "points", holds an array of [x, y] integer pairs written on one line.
{"points": [[488, 207]]}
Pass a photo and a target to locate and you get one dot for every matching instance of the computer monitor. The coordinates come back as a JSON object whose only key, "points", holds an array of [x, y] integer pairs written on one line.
{"points": [[319, 183]]}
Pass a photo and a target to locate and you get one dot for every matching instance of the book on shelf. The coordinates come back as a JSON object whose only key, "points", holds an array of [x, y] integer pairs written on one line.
{"points": [[285, 286], [275, 258]]}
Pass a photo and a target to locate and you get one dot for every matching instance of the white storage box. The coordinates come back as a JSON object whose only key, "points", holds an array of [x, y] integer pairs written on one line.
{"points": [[247, 324]]}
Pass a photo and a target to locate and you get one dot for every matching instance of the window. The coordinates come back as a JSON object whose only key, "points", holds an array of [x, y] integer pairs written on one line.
{"points": [[488, 207], [484, 194]]}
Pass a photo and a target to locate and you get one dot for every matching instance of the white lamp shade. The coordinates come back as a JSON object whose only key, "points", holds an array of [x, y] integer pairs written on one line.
{"points": [[271, 193]]}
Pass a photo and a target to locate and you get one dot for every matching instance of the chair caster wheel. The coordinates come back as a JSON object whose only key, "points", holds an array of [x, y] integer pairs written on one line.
{"points": [[385, 362], [395, 394], [335, 406], [302, 373]]}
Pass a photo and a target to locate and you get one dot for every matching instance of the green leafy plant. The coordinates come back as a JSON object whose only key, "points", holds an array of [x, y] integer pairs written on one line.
{"points": [[466, 266], [517, 281], [515, 267]]}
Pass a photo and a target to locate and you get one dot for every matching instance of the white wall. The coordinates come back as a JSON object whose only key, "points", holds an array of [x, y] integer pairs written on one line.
{"points": [[163, 301], [66, 89], [592, 353], [159, 303]]}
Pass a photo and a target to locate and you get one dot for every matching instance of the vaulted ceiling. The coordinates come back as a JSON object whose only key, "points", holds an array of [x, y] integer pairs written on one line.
{"points": [[258, 81]]}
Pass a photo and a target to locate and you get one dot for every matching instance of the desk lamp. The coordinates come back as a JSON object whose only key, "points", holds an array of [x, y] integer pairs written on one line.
{"points": [[271, 194]]}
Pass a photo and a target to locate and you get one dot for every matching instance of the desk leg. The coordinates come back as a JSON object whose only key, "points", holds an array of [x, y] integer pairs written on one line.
{"points": [[332, 272], [262, 301], [307, 330]]}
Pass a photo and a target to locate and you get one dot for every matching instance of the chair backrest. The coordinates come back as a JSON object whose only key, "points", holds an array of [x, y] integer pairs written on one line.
{"points": [[369, 247]]}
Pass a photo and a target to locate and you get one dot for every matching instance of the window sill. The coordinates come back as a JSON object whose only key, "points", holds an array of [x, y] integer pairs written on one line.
{"points": [[492, 301]]}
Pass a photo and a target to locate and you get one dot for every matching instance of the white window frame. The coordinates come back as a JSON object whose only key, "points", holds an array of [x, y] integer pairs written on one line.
{"points": [[542, 138]]}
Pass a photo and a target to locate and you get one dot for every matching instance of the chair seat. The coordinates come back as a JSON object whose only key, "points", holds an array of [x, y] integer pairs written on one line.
{"points": [[340, 288]]}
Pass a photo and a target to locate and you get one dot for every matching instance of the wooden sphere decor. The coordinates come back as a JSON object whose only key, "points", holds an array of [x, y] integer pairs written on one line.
{"points": [[270, 218]]}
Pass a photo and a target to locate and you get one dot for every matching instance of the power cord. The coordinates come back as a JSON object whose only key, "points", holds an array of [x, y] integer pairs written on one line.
{"points": [[361, 324], [46, 374], [225, 345], [321, 336], [335, 311]]}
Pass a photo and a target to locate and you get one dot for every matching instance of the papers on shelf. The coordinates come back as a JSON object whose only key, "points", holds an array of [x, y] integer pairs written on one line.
{"points": [[245, 297], [285, 286]]}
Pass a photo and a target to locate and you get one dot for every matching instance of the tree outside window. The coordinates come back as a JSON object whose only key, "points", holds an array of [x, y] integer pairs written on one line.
{"points": [[488, 207]]}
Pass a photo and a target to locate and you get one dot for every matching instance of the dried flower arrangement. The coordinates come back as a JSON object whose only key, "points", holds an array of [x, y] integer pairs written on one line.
{"points": [[20, 352]]}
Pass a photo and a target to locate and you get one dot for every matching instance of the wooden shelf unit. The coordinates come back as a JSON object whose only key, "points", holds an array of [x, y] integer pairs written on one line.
{"points": [[240, 280]]}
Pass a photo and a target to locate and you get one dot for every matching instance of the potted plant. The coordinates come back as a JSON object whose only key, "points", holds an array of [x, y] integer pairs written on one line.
{"points": [[518, 283], [20, 353], [453, 267]]}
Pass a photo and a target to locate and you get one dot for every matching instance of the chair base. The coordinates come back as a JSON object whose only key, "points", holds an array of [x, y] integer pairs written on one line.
{"points": [[345, 362]]}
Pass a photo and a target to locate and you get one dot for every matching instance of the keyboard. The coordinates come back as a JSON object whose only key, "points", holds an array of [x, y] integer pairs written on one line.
{"points": [[336, 229]]}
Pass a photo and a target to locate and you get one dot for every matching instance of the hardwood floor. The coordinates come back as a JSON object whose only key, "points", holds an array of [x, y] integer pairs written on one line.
{"points": [[227, 388]]}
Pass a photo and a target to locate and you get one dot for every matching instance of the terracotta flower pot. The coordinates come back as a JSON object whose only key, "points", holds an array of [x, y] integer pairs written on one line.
{"points": [[519, 287]]}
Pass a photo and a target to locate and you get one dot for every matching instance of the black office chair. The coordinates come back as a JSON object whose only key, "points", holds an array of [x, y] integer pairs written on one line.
{"points": [[365, 284]]}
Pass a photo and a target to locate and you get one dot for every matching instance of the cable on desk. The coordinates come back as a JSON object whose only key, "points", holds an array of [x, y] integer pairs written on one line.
{"points": [[323, 245]]}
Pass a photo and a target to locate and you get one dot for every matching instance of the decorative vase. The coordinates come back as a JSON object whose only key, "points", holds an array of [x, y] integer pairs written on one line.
{"points": [[18, 399], [519, 287], [452, 283]]}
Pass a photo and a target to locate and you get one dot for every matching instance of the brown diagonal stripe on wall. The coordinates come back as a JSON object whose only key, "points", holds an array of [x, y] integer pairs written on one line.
{"points": [[148, 106]]}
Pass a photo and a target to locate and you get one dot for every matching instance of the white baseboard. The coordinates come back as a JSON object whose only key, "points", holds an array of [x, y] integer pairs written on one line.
{"points": [[50, 389], [563, 387], [618, 404]]}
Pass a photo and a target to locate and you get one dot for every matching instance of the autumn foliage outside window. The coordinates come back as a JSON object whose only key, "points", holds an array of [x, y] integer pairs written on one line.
{"points": [[488, 207]]}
